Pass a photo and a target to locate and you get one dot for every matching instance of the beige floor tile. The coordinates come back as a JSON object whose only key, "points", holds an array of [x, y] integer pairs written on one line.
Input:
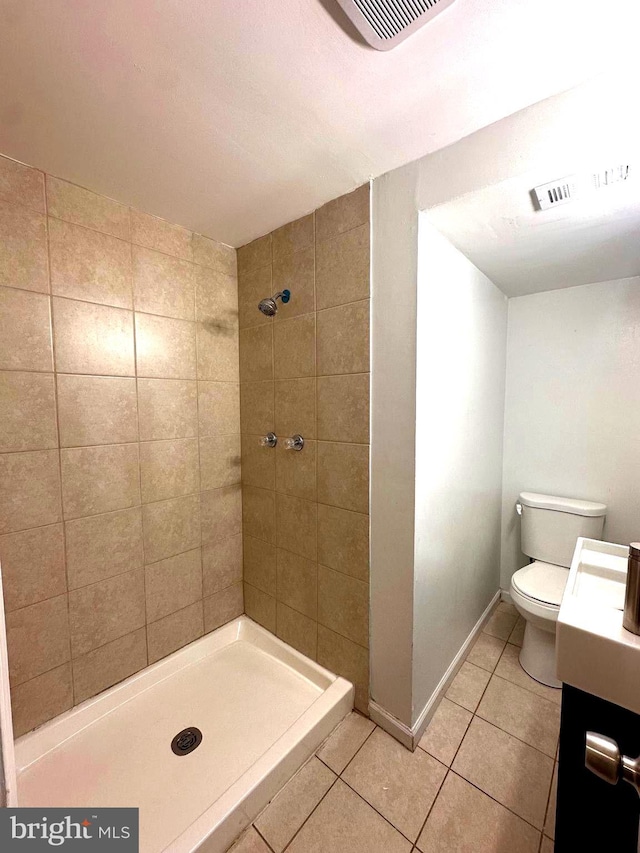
{"points": [[547, 845], [509, 668], [345, 740], [510, 771], [401, 785], [464, 820], [467, 687], [513, 709], [517, 635], [444, 734], [550, 822], [506, 607], [344, 823], [250, 842], [500, 624], [286, 813], [486, 652]]}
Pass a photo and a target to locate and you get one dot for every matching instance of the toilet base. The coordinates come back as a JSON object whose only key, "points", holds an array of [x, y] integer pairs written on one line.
{"points": [[538, 655]]}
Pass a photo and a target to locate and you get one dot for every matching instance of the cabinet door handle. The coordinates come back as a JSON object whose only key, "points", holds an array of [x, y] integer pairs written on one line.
{"points": [[602, 756]]}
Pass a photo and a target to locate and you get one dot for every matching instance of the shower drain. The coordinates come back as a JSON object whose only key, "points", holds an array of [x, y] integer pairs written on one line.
{"points": [[186, 741]]}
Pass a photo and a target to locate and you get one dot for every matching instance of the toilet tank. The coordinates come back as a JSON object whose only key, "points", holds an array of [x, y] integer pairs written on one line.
{"points": [[551, 525]]}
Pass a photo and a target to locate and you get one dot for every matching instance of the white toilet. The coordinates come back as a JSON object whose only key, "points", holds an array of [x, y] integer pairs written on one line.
{"points": [[549, 530]]}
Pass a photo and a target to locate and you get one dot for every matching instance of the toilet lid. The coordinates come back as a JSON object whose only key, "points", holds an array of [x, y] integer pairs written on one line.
{"points": [[542, 581]]}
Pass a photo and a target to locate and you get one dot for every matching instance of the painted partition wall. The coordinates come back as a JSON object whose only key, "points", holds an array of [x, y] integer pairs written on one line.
{"points": [[572, 420]]}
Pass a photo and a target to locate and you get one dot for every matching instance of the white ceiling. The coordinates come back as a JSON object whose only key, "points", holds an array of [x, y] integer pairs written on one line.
{"points": [[235, 116]]}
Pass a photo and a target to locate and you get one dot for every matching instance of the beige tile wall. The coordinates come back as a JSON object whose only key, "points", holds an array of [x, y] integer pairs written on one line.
{"points": [[120, 506], [305, 515]]}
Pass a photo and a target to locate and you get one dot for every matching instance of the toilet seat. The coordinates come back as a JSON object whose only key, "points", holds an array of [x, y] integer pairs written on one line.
{"points": [[541, 582]]}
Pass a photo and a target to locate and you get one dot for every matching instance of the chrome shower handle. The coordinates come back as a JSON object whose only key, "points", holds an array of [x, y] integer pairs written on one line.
{"points": [[602, 756], [269, 440]]}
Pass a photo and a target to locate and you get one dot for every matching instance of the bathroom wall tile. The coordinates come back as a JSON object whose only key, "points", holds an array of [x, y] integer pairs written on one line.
{"points": [[260, 564], [210, 253], [254, 254], [297, 525], [216, 299], [345, 740], [155, 233], [89, 265], [41, 699], [28, 406], [97, 410], [293, 804], [296, 273], [496, 762], [260, 607], [25, 331], [167, 408], [256, 353], [343, 541], [32, 566], [101, 546], [259, 513], [297, 630], [297, 583], [258, 463], [165, 348], [253, 287], [218, 353], [219, 461], [218, 408], [174, 631], [294, 347], [23, 248], [172, 584], [37, 638], [163, 284], [99, 479], [467, 687], [93, 338], [465, 818], [296, 471], [343, 213], [222, 607], [343, 408], [105, 666], [169, 469], [343, 475], [445, 731], [221, 513], [293, 237], [221, 564], [343, 605], [21, 184], [343, 339], [342, 271], [83, 207], [30, 494], [257, 408], [338, 654], [171, 527], [104, 611], [295, 404]]}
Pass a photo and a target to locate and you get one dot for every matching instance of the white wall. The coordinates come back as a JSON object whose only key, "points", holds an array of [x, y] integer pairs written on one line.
{"points": [[461, 363], [572, 416]]}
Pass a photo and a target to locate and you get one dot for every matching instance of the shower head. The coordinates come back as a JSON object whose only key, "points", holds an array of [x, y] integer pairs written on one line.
{"points": [[269, 306]]}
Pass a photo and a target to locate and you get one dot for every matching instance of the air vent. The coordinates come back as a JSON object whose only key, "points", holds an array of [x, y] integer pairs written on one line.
{"points": [[556, 193], [385, 23], [577, 186]]}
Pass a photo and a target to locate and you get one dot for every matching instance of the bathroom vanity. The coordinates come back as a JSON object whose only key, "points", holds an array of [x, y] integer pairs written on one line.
{"points": [[599, 665]]}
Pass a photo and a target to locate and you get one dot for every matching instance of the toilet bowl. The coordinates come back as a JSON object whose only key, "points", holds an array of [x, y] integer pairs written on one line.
{"points": [[536, 592]]}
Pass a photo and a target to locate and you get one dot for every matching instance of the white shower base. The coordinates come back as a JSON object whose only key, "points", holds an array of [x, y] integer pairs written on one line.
{"points": [[262, 707]]}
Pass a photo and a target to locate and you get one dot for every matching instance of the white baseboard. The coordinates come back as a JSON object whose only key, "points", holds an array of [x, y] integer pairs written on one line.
{"points": [[410, 737], [505, 595]]}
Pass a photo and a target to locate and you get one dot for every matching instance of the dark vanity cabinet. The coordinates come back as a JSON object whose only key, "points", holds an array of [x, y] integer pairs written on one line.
{"points": [[593, 815]]}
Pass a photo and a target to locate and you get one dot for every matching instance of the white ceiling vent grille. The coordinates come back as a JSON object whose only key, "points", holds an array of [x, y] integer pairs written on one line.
{"points": [[578, 186], [385, 23]]}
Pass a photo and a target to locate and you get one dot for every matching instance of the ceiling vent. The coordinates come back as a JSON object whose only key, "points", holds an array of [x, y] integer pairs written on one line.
{"points": [[577, 186], [385, 23]]}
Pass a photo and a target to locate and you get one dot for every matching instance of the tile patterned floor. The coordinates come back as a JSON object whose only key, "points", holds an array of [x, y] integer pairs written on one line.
{"points": [[482, 780]]}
